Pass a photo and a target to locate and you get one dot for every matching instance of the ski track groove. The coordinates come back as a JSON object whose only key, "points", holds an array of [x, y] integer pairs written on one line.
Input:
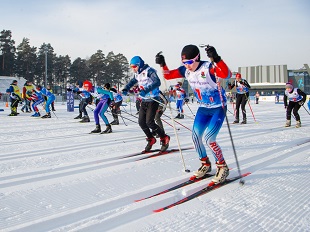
{"points": [[94, 214], [87, 214]]}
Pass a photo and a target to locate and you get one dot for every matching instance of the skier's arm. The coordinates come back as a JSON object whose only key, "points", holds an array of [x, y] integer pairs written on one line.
{"points": [[285, 100], [304, 96], [221, 70]]}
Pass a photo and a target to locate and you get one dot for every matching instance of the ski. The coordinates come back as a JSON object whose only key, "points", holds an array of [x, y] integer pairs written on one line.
{"points": [[140, 153], [185, 183], [201, 192], [165, 152]]}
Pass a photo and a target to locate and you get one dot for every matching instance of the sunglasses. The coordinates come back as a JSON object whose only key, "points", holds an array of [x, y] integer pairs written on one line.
{"points": [[191, 61], [133, 66]]}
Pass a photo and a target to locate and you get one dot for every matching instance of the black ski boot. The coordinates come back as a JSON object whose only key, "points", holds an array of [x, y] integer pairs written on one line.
{"points": [[115, 122], [97, 129], [236, 121], [48, 115], [107, 130], [78, 117], [85, 119], [178, 116], [243, 121], [181, 116]]}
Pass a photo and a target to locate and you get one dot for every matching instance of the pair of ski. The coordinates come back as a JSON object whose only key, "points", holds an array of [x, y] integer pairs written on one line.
{"points": [[155, 153], [211, 186]]}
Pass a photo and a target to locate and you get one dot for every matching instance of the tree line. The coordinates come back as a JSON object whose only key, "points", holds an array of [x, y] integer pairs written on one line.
{"points": [[37, 64]]}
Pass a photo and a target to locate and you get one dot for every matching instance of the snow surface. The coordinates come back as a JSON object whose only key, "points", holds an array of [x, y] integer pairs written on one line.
{"points": [[57, 177]]}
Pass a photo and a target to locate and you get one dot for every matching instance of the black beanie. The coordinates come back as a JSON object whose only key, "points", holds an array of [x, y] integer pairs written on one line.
{"points": [[107, 86], [190, 52]]}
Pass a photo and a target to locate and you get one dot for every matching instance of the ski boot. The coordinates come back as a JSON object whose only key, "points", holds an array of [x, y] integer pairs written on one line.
{"points": [[204, 169], [115, 122], [164, 143], [243, 121], [181, 116], [222, 172], [288, 123], [48, 115], [13, 114], [236, 121], [36, 115], [85, 119], [298, 124], [78, 117], [107, 130], [97, 129], [178, 116], [150, 142]]}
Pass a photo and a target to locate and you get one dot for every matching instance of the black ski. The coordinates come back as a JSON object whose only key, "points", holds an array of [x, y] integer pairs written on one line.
{"points": [[185, 183], [165, 152], [201, 192]]}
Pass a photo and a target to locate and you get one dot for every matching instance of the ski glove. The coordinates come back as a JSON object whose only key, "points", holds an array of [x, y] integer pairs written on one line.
{"points": [[160, 59], [301, 103], [212, 54], [125, 92], [142, 93]]}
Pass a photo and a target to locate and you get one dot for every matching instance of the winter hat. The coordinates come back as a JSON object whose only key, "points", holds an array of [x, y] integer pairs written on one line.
{"points": [[238, 75], [107, 85], [289, 85], [137, 60], [39, 87], [190, 52], [14, 82], [87, 85]]}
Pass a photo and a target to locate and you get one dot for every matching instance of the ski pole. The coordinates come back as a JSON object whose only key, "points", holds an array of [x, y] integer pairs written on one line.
{"points": [[251, 111], [306, 109], [160, 103], [177, 122], [174, 128], [190, 109]]}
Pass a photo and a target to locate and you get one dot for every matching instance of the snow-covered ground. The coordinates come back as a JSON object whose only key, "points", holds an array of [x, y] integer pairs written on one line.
{"points": [[54, 176]]}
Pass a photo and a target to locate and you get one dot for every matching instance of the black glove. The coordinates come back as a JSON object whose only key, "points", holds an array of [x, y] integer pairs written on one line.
{"points": [[186, 100], [69, 89], [212, 54], [160, 59], [301, 103], [124, 92]]}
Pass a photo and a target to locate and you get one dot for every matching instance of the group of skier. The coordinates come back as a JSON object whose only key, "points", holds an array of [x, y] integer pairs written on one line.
{"points": [[32, 96], [204, 79]]}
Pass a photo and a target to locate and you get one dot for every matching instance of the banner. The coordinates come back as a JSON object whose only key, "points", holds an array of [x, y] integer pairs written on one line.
{"points": [[70, 101]]}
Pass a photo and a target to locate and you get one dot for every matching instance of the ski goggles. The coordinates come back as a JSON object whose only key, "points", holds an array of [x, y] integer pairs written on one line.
{"points": [[191, 61]]}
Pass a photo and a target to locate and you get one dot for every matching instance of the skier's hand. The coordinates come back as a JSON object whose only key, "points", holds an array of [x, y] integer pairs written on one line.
{"points": [[125, 92], [142, 93], [160, 59], [301, 103], [212, 54], [285, 107], [186, 100]]}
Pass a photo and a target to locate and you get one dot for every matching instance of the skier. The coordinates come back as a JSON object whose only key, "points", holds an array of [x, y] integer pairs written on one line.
{"points": [[105, 97], [49, 99], [180, 95], [242, 96], [15, 97], [53, 103], [296, 98], [37, 99], [257, 97], [149, 83], [160, 111], [27, 87], [85, 99], [202, 77], [115, 106]]}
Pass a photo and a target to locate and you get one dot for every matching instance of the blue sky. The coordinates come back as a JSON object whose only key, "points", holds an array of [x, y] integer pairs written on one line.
{"points": [[244, 32]]}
